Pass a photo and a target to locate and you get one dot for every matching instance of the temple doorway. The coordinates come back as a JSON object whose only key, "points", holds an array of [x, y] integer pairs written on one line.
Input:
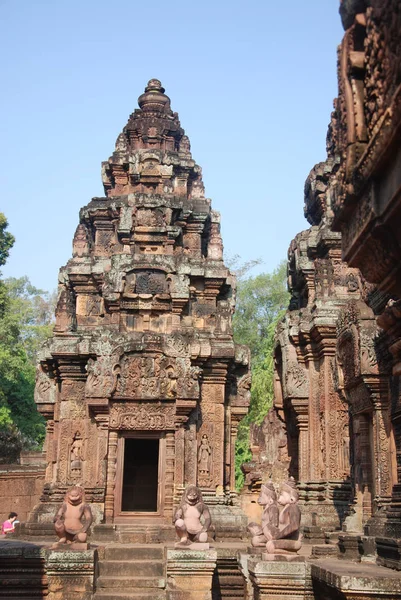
{"points": [[139, 476]]}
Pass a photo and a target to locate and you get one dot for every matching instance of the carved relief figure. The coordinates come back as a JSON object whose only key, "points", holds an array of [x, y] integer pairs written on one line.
{"points": [[68, 520], [297, 381], [204, 460], [44, 389], [192, 518], [102, 377], [261, 534], [76, 457]]}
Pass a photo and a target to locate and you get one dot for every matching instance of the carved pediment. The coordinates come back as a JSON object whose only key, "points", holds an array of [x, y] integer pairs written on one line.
{"points": [[157, 376], [45, 388], [296, 381], [145, 282], [143, 416]]}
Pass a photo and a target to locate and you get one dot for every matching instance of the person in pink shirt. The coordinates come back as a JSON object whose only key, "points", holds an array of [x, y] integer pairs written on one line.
{"points": [[8, 526]]}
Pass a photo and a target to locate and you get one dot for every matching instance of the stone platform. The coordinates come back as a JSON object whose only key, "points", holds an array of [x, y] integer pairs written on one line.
{"points": [[346, 580], [118, 570], [227, 571]]}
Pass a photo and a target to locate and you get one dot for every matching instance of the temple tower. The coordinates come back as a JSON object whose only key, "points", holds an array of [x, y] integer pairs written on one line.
{"points": [[141, 384]]}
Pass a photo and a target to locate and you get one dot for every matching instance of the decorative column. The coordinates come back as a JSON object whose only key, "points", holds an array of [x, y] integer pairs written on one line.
{"points": [[382, 458], [213, 418], [234, 433], [301, 408], [111, 476], [169, 475], [190, 466], [179, 460], [192, 238]]}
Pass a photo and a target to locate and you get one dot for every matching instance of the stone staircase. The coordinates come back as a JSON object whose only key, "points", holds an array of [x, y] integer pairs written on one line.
{"points": [[22, 571], [129, 572]]}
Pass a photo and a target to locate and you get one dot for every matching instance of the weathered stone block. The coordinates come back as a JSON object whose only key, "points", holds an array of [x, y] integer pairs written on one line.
{"points": [[190, 573], [70, 574], [338, 580], [282, 577]]}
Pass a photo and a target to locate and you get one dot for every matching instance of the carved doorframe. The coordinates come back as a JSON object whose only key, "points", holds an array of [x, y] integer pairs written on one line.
{"points": [[126, 516]]}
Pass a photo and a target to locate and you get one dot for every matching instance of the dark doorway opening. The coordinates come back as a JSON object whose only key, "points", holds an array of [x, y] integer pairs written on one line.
{"points": [[140, 478]]}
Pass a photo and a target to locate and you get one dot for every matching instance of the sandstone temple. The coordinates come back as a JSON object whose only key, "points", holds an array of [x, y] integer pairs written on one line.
{"points": [[143, 387]]}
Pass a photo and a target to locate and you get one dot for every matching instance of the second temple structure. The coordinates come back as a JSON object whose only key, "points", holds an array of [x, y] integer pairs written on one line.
{"points": [[141, 384]]}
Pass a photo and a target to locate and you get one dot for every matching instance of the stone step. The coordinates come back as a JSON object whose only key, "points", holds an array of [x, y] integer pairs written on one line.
{"points": [[128, 595], [129, 583], [324, 550], [45, 530], [129, 568], [145, 534], [130, 552], [11, 583]]}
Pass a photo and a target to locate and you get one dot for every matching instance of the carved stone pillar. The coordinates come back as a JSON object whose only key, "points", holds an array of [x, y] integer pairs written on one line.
{"points": [[362, 467], [190, 466], [212, 429], [301, 409], [192, 238], [50, 449], [234, 432], [100, 465], [179, 459], [381, 453], [169, 475], [111, 476]]}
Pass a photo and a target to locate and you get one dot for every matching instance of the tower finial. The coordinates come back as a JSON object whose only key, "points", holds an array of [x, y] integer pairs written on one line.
{"points": [[154, 99]]}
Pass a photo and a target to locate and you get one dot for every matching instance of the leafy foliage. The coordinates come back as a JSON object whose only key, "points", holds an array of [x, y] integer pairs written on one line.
{"points": [[261, 303], [11, 442], [25, 324], [25, 321], [6, 240]]}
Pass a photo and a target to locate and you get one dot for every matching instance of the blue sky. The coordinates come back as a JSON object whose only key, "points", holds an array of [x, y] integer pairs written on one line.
{"points": [[253, 84]]}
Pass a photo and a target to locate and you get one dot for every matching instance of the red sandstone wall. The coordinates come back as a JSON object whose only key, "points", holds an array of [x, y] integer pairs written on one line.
{"points": [[20, 489]]}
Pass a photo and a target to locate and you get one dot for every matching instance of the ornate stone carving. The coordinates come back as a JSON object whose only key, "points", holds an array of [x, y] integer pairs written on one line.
{"points": [[80, 246], [142, 416], [296, 381], [101, 381], [76, 456], [204, 461], [45, 389], [244, 390], [147, 377], [150, 283]]}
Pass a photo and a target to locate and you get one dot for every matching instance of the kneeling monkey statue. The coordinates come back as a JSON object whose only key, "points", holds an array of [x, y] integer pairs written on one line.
{"points": [[192, 518], [68, 520]]}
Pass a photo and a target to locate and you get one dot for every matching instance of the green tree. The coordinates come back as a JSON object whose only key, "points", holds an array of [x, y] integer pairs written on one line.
{"points": [[25, 321], [25, 324], [6, 243], [6, 240], [261, 303]]}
